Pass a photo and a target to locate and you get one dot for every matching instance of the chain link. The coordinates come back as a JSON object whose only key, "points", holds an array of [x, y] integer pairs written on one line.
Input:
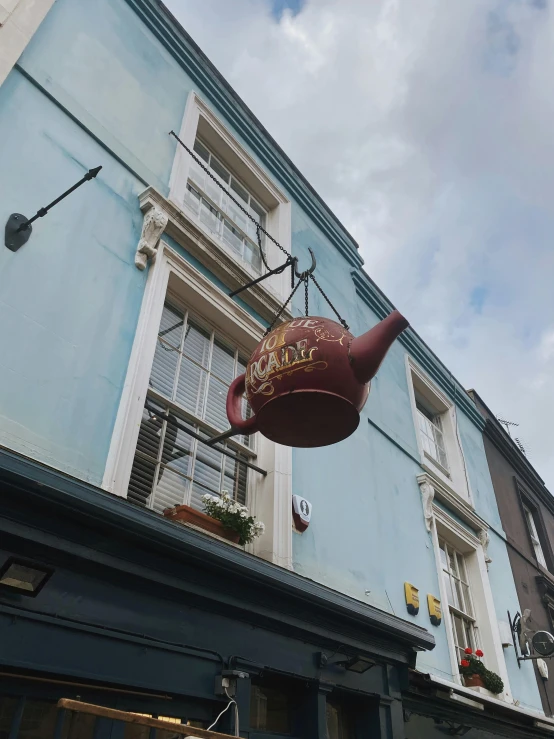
{"points": [[235, 201], [335, 311], [274, 241], [282, 308]]}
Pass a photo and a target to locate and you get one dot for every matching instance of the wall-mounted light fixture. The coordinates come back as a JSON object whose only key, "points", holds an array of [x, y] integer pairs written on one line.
{"points": [[357, 664], [19, 229], [24, 577]]}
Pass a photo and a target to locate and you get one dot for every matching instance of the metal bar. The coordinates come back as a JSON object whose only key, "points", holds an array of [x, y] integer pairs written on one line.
{"points": [[41, 212], [276, 271], [166, 417], [221, 437], [194, 421], [134, 718]]}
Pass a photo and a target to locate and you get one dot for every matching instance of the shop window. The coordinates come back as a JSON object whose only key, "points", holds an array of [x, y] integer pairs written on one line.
{"points": [[38, 720], [274, 706], [339, 721], [78, 726]]}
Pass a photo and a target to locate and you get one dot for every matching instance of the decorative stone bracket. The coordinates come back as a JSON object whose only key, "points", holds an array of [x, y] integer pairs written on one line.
{"points": [[428, 493], [153, 227]]}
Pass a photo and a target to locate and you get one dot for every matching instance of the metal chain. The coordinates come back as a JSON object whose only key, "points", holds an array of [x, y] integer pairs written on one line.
{"points": [[235, 201], [270, 237], [335, 311], [282, 308]]}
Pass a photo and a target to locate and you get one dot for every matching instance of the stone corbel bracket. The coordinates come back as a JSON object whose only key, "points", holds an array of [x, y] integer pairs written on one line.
{"points": [[153, 227]]}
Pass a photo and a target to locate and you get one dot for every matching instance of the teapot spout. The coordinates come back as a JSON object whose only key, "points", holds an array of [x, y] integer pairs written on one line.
{"points": [[366, 352]]}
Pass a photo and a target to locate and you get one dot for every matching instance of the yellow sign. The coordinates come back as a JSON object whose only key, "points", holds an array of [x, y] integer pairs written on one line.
{"points": [[435, 612], [412, 598]]}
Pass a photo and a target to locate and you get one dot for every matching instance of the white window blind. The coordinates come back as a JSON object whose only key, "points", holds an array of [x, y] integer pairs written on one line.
{"points": [[460, 603], [539, 554], [217, 212], [193, 367]]}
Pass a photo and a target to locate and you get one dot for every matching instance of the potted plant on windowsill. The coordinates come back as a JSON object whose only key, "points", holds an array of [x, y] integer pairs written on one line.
{"points": [[476, 675], [224, 517]]}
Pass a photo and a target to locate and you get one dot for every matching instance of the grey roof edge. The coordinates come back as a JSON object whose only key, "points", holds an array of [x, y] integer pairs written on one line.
{"points": [[183, 48]]}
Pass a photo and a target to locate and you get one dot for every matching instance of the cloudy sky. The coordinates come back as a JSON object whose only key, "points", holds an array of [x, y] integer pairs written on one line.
{"points": [[428, 127]]}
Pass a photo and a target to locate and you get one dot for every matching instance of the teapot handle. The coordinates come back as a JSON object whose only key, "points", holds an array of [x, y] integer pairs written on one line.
{"points": [[234, 411]]}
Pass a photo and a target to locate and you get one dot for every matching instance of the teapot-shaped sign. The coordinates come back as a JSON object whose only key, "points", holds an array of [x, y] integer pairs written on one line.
{"points": [[308, 380]]}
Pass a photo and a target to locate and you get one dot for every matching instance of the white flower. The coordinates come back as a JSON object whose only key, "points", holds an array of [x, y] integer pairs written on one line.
{"points": [[243, 513]]}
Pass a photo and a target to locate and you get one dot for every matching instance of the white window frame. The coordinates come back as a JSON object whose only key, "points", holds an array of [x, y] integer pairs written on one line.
{"points": [[534, 535], [269, 498], [455, 478], [278, 221], [445, 527]]}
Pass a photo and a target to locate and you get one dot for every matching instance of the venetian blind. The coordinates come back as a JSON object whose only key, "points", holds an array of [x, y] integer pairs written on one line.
{"points": [[193, 367]]}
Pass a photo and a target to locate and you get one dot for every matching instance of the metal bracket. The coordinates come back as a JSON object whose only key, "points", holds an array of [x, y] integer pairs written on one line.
{"points": [[14, 236], [19, 229], [276, 271], [307, 272]]}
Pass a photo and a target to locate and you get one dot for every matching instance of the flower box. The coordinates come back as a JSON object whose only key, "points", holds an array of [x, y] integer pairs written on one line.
{"points": [[186, 514], [473, 681]]}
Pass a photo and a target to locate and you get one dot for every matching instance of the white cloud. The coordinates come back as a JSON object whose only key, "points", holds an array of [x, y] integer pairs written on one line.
{"points": [[426, 126]]}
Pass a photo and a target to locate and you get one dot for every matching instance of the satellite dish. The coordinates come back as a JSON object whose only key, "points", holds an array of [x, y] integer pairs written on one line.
{"points": [[543, 643]]}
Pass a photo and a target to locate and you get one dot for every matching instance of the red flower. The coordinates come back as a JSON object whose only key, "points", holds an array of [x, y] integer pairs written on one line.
{"points": [[464, 663], [468, 650], [479, 652]]}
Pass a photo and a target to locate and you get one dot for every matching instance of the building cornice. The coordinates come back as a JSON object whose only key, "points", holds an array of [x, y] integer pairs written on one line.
{"points": [[375, 299], [210, 82], [35, 485]]}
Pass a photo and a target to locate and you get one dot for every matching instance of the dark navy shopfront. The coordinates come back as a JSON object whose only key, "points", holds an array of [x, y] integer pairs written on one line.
{"points": [[145, 615]]}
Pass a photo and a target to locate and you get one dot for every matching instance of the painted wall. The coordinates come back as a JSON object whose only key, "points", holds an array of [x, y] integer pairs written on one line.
{"points": [[69, 302]]}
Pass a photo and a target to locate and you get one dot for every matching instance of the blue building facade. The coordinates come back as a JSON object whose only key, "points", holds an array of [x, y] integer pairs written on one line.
{"points": [[119, 339]]}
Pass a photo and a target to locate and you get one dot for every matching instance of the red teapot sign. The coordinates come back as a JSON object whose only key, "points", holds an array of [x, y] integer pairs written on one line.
{"points": [[308, 380]]}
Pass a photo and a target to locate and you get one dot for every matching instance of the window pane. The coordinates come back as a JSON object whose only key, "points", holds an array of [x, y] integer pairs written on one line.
{"points": [[171, 325], [79, 726], [459, 631], [220, 170], [191, 387], [239, 190], [216, 413], [164, 369], [171, 490], [201, 150], [223, 361], [442, 553], [467, 600], [197, 343], [232, 237], [270, 710], [209, 216], [449, 592]]}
